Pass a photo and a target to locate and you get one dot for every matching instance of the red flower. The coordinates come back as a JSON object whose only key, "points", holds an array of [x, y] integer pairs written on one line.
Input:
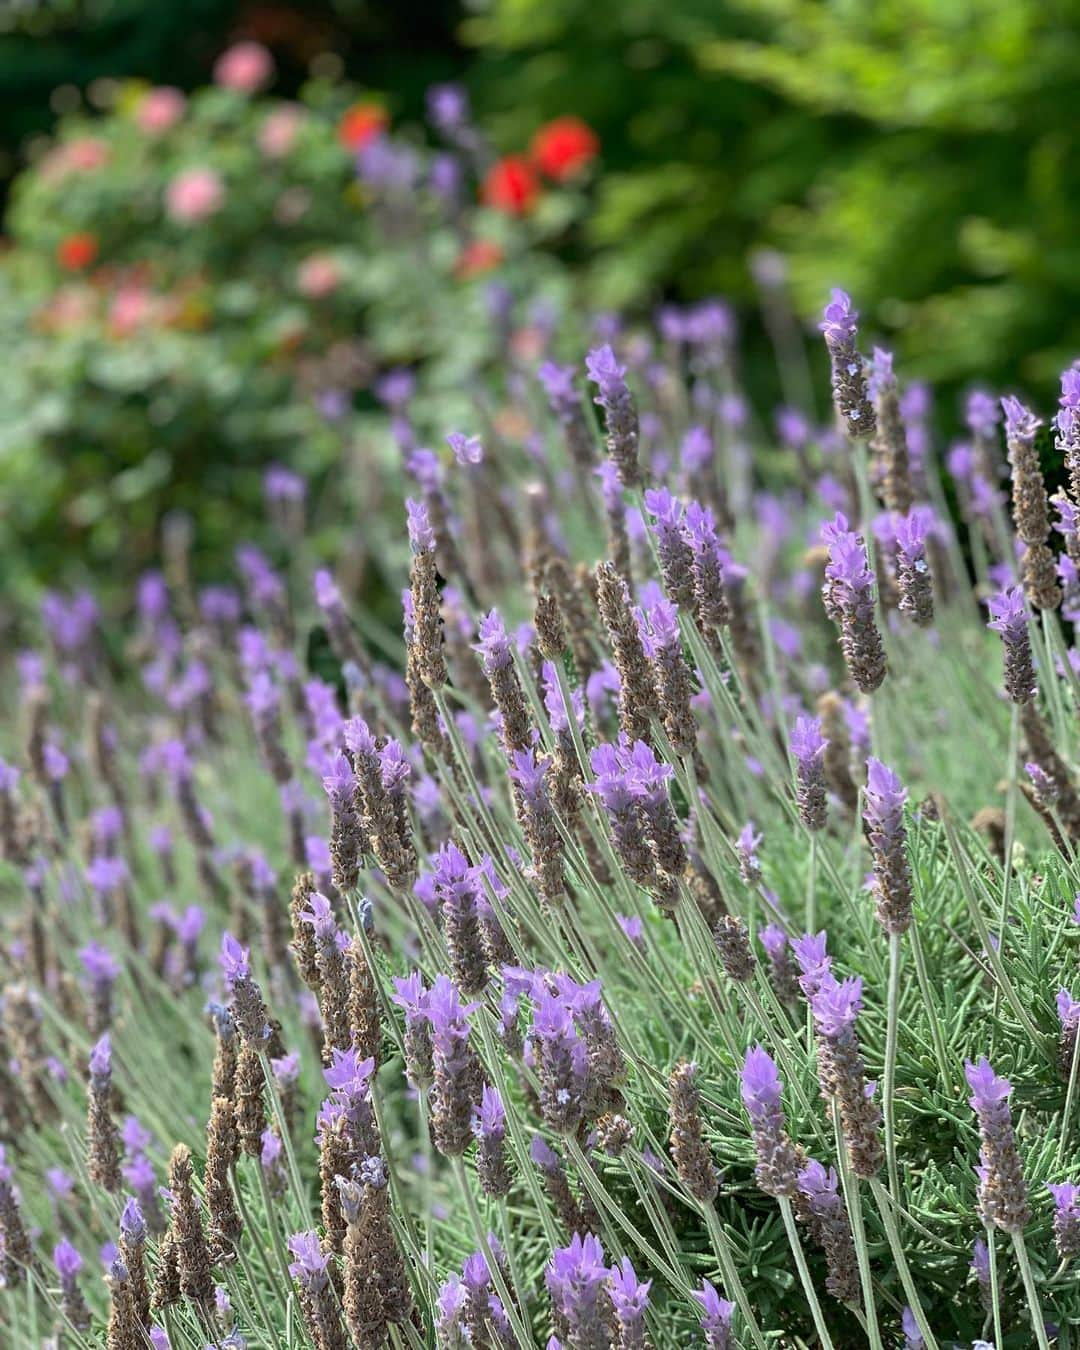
{"points": [[477, 257], [563, 147], [77, 251], [511, 185], [360, 124]]}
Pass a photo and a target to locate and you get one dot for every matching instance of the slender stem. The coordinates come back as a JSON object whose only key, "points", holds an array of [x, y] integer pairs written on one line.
{"points": [[1034, 1307], [731, 1276], [995, 1292], [897, 1247], [1010, 818], [930, 1005], [892, 1030], [853, 1200], [990, 951], [811, 885], [797, 1252], [521, 1331]]}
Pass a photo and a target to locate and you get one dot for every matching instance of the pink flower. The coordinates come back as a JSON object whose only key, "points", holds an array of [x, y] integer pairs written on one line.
{"points": [[193, 195], [132, 306], [87, 154], [160, 109], [317, 276], [244, 67], [277, 135]]}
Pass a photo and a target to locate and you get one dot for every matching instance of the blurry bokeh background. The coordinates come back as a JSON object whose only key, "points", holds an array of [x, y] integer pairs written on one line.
{"points": [[224, 224]]}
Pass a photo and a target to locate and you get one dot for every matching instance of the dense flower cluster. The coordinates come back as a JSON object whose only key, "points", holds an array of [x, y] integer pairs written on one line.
{"points": [[517, 982]]}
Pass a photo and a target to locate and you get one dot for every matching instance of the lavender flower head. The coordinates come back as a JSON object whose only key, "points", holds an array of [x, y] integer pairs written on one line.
{"points": [[629, 1299], [982, 413], [467, 449], [613, 395], [1009, 618], [1021, 424], [716, 1315], [1002, 1188], [1066, 1218], [849, 601], [835, 1006], [838, 325], [100, 1063], [778, 1166], [808, 747], [308, 1267], [913, 576], [494, 644], [421, 535], [884, 817], [575, 1279], [67, 1261]]}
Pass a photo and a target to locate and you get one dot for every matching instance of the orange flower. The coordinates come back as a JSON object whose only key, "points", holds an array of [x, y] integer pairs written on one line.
{"points": [[562, 148], [361, 124], [510, 185], [77, 251], [478, 256]]}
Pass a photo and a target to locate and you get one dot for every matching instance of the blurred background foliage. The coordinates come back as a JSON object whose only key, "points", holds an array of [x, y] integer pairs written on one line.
{"points": [[922, 153]]}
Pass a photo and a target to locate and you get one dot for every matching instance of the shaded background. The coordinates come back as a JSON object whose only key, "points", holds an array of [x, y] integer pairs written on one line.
{"points": [[923, 153]]}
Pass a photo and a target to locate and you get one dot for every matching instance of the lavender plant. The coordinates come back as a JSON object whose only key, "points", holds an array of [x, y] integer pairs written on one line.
{"points": [[616, 960]]}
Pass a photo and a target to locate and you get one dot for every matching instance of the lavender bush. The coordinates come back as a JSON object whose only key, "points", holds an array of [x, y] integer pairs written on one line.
{"points": [[669, 942]]}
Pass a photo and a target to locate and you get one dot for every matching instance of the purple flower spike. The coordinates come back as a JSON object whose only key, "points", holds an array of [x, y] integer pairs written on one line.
{"points": [[1002, 1188], [913, 1337], [101, 1059], [529, 774], [421, 535], [808, 747], [983, 414], [1066, 1218], [1021, 424], [716, 1315], [575, 1278], [235, 965], [67, 1261], [494, 644], [467, 449], [839, 318], [613, 395], [1009, 618], [778, 1164], [629, 1298], [884, 817], [605, 371], [308, 1268]]}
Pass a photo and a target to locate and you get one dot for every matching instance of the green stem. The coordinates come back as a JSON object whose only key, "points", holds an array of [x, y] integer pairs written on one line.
{"points": [[853, 1199], [521, 1331], [893, 1235], [995, 1292], [892, 1029], [1010, 818], [930, 1005], [1032, 1293], [797, 1252], [731, 1276]]}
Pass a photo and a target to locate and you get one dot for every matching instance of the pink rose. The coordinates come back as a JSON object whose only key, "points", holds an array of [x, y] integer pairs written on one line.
{"points": [[85, 154], [245, 67], [193, 195], [159, 109], [132, 306], [317, 276], [277, 135]]}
